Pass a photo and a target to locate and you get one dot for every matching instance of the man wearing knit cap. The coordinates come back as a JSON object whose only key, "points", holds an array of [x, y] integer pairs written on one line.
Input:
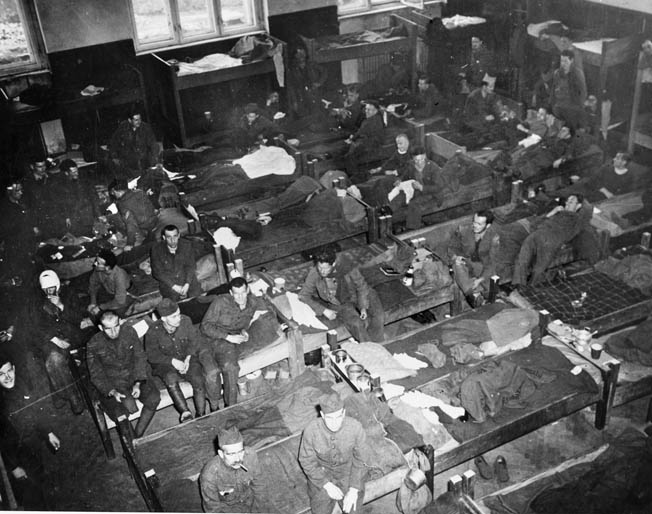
{"points": [[177, 351], [330, 457], [233, 481]]}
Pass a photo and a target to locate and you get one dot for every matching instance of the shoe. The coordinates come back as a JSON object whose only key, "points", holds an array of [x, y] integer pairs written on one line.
{"points": [[500, 469], [185, 416], [484, 468]]}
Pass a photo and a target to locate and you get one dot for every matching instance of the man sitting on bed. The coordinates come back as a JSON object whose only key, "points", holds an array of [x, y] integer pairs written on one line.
{"points": [[559, 226], [233, 480], [133, 146], [399, 162], [481, 105], [330, 454], [617, 177], [254, 128], [428, 100], [336, 289], [351, 114], [365, 143], [473, 251]]}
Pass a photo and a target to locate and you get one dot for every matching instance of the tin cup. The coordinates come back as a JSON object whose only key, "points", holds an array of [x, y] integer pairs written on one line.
{"points": [[243, 387], [331, 339], [279, 284], [596, 350]]}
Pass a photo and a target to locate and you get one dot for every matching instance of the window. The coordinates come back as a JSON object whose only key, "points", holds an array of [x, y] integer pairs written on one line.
{"points": [[162, 23], [18, 49]]}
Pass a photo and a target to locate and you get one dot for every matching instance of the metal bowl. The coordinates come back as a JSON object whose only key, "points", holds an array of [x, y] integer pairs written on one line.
{"points": [[354, 371]]}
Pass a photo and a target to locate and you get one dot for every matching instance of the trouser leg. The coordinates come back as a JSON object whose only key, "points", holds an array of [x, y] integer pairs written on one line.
{"points": [[150, 398], [196, 377], [62, 381], [525, 256], [375, 318], [176, 395], [212, 378], [350, 317], [226, 355]]}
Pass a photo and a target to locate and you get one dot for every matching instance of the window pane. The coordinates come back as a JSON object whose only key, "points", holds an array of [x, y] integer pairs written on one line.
{"points": [[153, 21], [351, 5], [236, 13], [196, 17], [15, 46]]}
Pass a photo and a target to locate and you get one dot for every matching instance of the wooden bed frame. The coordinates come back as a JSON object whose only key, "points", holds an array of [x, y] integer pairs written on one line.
{"points": [[360, 51], [560, 407], [182, 83]]}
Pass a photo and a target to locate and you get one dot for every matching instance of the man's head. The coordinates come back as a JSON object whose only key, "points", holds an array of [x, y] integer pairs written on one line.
{"points": [[476, 43], [170, 235], [251, 112], [564, 132], [135, 120], [370, 108], [170, 315], [332, 411], [647, 47], [239, 289], [105, 261], [70, 169], [39, 169], [118, 188], [352, 93], [542, 114], [573, 203], [621, 160], [7, 372], [482, 220], [419, 157], [300, 56], [50, 283], [402, 143], [15, 191], [423, 83], [231, 447], [325, 261], [566, 60], [110, 324], [273, 97]]}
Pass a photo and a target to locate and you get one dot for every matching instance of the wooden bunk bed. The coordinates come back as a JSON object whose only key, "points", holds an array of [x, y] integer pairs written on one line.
{"points": [[604, 53], [640, 129], [164, 476], [184, 84], [329, 49]]}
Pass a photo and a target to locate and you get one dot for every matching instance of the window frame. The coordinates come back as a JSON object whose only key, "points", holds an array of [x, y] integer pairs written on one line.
{"points": [[219, 32], [34, 42]]}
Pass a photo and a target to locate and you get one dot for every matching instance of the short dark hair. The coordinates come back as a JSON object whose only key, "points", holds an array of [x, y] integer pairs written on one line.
{"points": [[108, 256], [568, 53], [326, 254], [485, 213], [5, 357], [67, 164], [118, 185], [169, 228], [418, 150], [106, 315], [237, 282], [353, 88], [425, 77]]}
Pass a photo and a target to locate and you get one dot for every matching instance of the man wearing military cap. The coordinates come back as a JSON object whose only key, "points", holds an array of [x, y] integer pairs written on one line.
{"points": [[254, 128], [330, 455], [233, 481]]}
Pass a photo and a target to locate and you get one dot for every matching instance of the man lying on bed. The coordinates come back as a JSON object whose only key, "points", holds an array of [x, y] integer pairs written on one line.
{"points": [[546, 235]]}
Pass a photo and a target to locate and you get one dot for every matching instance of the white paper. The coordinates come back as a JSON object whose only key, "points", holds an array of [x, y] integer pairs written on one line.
{"points": [[141, 328], [259, 287], [113, 208]]}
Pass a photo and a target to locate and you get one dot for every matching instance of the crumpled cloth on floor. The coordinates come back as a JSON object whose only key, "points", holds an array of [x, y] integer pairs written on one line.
{"points": [[377, 361], [267, 160], [430, 351], [633, 346]]}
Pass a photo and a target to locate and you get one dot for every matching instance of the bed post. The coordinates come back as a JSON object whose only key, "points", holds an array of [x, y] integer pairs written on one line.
{"points": [[221, 270], [603, 408], [295, 351], [429, 452], [372, 221], [517, 191], [125, 432], [544, 319], [493, 288]]}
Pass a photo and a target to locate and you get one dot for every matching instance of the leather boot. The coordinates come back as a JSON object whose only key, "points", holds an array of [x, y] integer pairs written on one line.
{"points": [[145, 419], [179, 402], [199, 399]]}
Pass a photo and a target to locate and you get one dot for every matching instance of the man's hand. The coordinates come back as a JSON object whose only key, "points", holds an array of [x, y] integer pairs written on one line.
{"points": [[86, 323], [330, 314], [373, 171], [391, 172], [490, 117], [116, 395], [458, 260], [127, 248], [606, 192], [54, 441], [363, 314], [350, 500], [135, 390], [334, 492], [93, 309], [19, 473], [477, 282], [418, 185], [177, 289], [557, 163]]}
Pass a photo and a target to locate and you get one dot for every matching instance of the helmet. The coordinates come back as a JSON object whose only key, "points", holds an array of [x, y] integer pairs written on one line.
{"points": [[49, 279]]}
